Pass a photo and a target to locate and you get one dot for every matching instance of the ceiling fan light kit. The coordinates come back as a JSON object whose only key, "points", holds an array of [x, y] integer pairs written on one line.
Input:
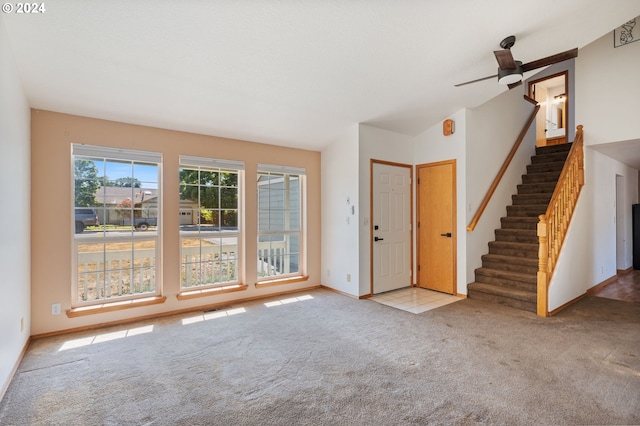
{"points": [[510, 75]]}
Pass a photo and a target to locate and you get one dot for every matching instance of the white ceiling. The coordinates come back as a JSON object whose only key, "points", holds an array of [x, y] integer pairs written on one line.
{"points": [[286, 72]]}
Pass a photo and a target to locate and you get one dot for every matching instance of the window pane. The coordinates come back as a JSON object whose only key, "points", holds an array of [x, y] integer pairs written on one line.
{"points": [[209, 197], [208, 178], [229, 220]]}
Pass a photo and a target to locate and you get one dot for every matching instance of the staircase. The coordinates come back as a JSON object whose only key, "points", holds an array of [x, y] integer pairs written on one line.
{"points": [[509, 272]]}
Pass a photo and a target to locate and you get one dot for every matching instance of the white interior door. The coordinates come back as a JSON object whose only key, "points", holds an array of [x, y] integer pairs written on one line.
{"points": [[391, 227]]}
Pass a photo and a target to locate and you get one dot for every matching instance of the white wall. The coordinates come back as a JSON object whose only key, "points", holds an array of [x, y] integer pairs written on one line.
{"points": [[375, 144], [492, 129], [607, 94], [608, 91], [340, 180], [588, 256], [432, 146], [15, 311]]}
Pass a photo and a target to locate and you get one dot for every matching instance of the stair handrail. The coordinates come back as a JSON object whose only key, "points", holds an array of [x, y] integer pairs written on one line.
{"points": [[505, 165], [553, 225]]}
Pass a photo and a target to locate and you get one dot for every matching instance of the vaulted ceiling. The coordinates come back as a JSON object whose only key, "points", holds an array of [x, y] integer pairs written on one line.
{"points": [[287, 72]]}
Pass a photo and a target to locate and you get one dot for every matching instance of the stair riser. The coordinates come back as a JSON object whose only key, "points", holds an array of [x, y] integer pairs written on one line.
{"points": [[513, 223], [526, 211], [537, 188], [544, 168], [541, 178], [517, 285], [516, 238], [523, 199], [553, 149], [509, 267], [549, 158], [513, 252], [514, 303], [527, 282]]}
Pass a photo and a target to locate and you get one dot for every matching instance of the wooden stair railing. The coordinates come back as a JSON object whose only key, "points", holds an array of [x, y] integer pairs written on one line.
{"points": [[505, 165], [553, 225]]}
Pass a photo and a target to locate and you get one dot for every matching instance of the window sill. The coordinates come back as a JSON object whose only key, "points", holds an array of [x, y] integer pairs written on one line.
{"points": [[114, 306], [193, 294], [281, 281]]}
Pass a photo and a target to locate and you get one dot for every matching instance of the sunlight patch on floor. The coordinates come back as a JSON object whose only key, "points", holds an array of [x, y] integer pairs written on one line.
{"points": [[105, 337], [213, 315], [288, 300]]}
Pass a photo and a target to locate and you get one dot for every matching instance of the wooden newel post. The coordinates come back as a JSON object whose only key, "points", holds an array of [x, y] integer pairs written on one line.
{"points": [[543, 265]]}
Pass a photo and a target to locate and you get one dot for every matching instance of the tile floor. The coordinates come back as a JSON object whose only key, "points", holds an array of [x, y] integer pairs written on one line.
{"points": [[414, 299]]}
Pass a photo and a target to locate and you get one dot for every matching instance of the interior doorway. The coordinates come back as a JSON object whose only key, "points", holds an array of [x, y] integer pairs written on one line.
{"points": [[436, 226], [552, 94]]}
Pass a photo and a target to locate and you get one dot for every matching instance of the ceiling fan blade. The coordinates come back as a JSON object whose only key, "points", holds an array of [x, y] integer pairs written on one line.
{"points": [[505, 59], [550, 60], [476, 80], [512, 85]]}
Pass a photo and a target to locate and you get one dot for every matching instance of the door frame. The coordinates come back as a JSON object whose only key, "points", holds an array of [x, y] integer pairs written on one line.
{"points": [[411, 177], [454, 208], [531, 94]]}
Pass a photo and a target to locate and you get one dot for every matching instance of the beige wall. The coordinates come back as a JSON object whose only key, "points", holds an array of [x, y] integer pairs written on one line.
{"points": [[51, 137]]}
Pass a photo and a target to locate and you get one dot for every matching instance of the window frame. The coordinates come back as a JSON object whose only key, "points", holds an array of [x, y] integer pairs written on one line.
{"points": [[109, 154], [216, 166], [285, 171]]}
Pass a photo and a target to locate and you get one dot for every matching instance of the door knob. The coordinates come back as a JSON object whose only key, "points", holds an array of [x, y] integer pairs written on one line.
{"points": [[377, 239], [448, 235]]}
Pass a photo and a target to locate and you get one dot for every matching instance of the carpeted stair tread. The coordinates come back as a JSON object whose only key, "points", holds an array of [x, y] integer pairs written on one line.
{"points": [[510, 263], [535, 198], [517, 235], [514, 222], [549, 158], [509, 279], [536, 187], [508, 248], [545, 167], [519, 299], [528, 210], [551, 149], [541, 177]]}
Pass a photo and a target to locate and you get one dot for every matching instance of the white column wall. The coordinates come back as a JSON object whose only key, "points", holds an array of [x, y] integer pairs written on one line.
{"points": [[340, 181]]}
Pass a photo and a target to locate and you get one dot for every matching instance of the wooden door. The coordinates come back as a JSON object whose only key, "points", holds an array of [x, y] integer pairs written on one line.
{"points": [[437, 226]]}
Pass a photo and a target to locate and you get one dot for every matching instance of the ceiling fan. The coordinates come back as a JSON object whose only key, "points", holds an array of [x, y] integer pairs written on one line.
{"points": [[510, 71]]}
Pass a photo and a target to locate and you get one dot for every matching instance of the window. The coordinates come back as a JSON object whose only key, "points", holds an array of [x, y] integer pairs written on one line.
{"points": [[280, 222], [209, 221], [116, 216]]}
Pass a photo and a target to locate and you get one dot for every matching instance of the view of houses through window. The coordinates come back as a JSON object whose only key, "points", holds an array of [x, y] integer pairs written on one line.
{"points": [[209, 213], [116, 195]]}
